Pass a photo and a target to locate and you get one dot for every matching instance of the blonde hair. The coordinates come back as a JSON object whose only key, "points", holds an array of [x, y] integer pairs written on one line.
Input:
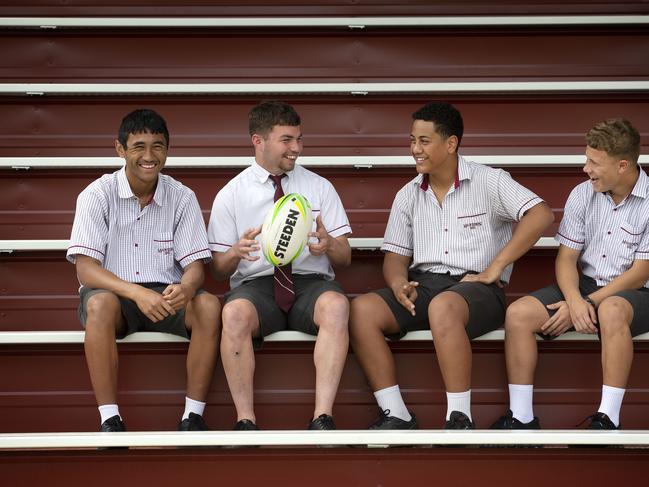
{"points": [[617, 137]]}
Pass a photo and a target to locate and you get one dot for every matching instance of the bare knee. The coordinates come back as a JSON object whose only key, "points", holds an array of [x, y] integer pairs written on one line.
{"points": [[239, 320], [332, 312], [204, 314], [525, 315], [369, 313], [614, 315], [447, 312], [103, 313]]}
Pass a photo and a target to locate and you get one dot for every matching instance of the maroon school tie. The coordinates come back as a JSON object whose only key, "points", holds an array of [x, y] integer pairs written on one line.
{"points": [[284, 292]]}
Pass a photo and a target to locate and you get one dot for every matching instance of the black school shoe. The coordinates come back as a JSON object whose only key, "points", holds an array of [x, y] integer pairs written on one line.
{"points": [[245, 425], [387, 422], [600, 421], [322, 422], [509, 422], [114, 424], [459, 421], [194, 422]]}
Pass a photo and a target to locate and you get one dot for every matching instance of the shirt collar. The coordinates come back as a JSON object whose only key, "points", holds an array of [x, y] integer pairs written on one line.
{"points": [[641, 188], [124, 188], [261, 175], [462, 172]]}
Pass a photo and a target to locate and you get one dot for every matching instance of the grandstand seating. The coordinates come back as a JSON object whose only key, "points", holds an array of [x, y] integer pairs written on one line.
{"points": [[528, 87]]}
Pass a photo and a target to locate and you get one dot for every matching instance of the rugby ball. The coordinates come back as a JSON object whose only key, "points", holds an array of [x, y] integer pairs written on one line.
{"points": [[286, 229]]}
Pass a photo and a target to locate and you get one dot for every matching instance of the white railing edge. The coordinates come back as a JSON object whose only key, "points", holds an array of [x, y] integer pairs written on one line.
{"points": [[77, 337], [358, 243], [356, 22], [342, 438]]}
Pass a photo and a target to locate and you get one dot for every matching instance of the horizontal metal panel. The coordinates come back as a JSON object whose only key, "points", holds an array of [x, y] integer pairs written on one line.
{"points": [[214, 57], [360, 467], [207, 126], [39, 291], [41, 204], [53, 382], [293, 8]]}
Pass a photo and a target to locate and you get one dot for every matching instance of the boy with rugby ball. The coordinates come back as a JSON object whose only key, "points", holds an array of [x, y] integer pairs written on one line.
{"points": [[264, 299]]}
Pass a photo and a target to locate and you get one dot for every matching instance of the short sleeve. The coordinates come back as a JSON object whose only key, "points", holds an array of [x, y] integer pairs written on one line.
{"points": [[398, 233], [90, 228]]}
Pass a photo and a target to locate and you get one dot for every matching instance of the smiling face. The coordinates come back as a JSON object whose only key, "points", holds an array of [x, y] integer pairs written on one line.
{"points": [[279, 149], [605, 171], [145, 155], [430, 150]]}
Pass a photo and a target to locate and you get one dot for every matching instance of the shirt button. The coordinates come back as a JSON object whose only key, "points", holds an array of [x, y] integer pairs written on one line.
{"points": [[608, 233], [614, 209], [138, 219], [137, 273], [446, 229], [136, 244], [446, 251], [603, 256]]}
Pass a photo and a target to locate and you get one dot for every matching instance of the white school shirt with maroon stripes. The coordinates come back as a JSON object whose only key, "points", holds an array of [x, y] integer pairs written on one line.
{"points": [[243, 203], [609, 236], [470, 227], [152, 244]]}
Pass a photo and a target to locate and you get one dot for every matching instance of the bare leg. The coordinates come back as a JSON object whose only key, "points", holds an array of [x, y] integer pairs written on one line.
{"points": [[240, 324], [103, 322], [448, 314], [331, 316], [524, 318], [203, 318], [370, 320], [615, 315]]}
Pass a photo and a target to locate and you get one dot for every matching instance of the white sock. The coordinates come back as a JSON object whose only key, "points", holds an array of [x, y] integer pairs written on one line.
{"points": [[612, 403], [520, 402], [458, 401], [108, 411], [192, 406], [390, 399]]}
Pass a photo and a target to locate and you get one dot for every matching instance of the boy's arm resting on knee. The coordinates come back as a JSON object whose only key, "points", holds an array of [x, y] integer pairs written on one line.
{"points": [[395, 273], [91, 274], [527, 233], [633, 278], [582, 314], [178, 295]]}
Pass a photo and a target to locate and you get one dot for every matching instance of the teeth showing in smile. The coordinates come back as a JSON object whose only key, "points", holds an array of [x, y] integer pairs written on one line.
{"points": [[291, 157], [147, 166]]}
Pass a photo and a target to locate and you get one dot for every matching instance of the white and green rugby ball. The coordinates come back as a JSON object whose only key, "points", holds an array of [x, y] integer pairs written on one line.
{"points": [[286, 229]]}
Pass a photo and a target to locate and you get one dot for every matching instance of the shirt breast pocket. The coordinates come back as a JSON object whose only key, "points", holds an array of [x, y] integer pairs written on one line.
{"points": [[472, 227], [163, 248], [629, 239]]}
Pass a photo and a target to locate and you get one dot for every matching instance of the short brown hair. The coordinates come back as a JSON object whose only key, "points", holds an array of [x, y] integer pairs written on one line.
{"points": [[617, 137], [264, 116]]}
